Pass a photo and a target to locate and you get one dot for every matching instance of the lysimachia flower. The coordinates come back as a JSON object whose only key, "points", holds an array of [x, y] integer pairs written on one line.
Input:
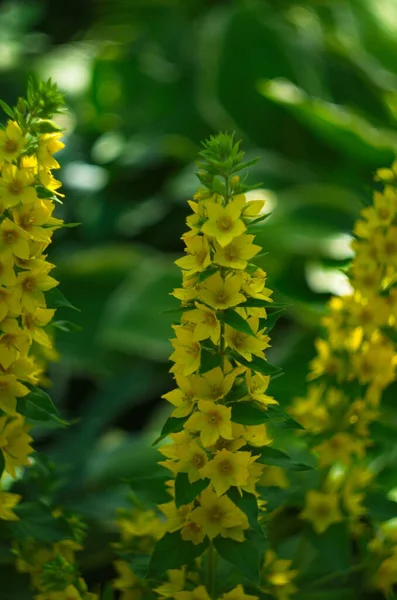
{"points": [[356, 361], [27, 224], [219, 367]]}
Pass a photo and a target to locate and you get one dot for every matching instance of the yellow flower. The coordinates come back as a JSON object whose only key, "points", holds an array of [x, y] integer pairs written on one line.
{"points": [[199, 593], [237, 253], [310, 411], [212, 421], [8, 303], [214, 384], [198, 257], [238, 594], [176, 582], [386, 576], [339, 448], [246, 344], [228, 469], [127, 582], [257, 385], [30, 288], [13, 240], [322, 510], [12, 142], [31, 218], [192, 461], [7, 273], [10, 390], [176, 517], [224, 222], [16, 185], [221, 293], [219, 516], [187, 351], [278, 574], [206, 323], [49, 144], [183, 397], [7, 503], [192, 532], [196, 220], [14, 443], [256, 435], [34, 323], [325, 362], [14, 342]]}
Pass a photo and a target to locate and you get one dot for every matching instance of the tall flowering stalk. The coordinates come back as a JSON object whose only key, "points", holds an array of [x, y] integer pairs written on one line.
{"points": [[28, 190], [219, 450], [356, 361]]}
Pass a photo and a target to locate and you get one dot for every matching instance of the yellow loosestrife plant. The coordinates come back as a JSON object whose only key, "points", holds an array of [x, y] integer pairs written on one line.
{"points": [[43, 539], [218, 447]]}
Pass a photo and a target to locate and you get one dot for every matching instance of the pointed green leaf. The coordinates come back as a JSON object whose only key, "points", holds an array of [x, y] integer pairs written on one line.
{"points": [[66, 326], [55, 299], [256, 364], [7, 108], [233, 319], [246, 556], [185, 491], [247, 413], [38, 406], [172, 425], [248, 504], [209, 361], [172, 552]]}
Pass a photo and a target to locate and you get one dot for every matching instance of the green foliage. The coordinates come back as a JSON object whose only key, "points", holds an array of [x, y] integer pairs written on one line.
{"points": [[171, 551]]}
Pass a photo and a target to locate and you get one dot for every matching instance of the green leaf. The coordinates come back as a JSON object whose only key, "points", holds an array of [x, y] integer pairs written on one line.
{"points": [[67, 326], [38, 406], [245, 555], [7, 109], [256, 364], [55, 299], [172, 425], [37, 522], [207, 273], [44, 192], [248, 504], [334, 547], [247, 413], [279, 418], [45, 127], [209, 361], [272, 318], [233, 319], [71, 225], [172, 552], [380, 507], [272, 456], [185, 491], [257, 221], [391, 333]]}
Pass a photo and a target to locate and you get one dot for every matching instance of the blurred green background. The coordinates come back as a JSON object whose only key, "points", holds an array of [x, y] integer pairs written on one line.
{"points": [[310, 87]]}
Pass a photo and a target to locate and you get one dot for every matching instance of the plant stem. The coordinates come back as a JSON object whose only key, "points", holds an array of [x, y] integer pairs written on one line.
{"points": [[211, 570]]}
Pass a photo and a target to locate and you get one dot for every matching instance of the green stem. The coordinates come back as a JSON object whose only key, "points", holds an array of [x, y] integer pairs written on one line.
{"points": [[211, 570]]}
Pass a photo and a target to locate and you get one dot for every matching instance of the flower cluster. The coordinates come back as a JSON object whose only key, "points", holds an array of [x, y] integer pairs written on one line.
{"points": [[218, 437], [356, 361], [28, 190]]}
